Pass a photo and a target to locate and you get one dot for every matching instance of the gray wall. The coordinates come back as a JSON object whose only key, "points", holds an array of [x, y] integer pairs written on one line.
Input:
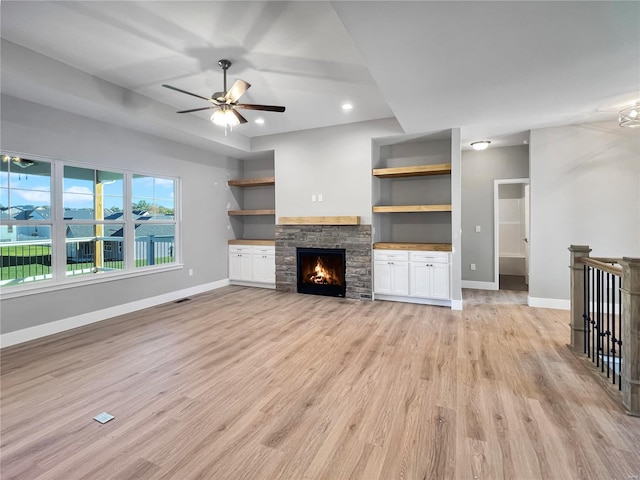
{"points": [[479, 170], [33, 129], [332, 161], [585, 190]]}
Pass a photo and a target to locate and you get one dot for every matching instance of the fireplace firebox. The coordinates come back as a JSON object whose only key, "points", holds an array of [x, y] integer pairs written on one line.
{"points": [[321, 271]]}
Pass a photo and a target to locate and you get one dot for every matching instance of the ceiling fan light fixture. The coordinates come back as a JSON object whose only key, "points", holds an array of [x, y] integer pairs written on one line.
{"points": [[630, 116], [480, 144], [224, 117]]}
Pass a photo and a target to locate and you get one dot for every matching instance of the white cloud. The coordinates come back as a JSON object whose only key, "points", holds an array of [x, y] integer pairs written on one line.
{"points": [[30, 197], [164, 182], [78, 197]]}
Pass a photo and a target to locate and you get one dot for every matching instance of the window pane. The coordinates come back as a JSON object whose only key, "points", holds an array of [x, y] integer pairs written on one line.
{"points": [[155, 244], [28, 260], [78, 194], [29, 184], [109, 194], [94, 248], [153, 196], [4, 203]]}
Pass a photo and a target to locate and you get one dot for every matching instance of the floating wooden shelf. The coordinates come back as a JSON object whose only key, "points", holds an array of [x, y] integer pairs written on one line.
{"points": [[271, 211], [411, 208], [246, 241], [427, 247], [348, 220], [252, 182], [413, 171]]}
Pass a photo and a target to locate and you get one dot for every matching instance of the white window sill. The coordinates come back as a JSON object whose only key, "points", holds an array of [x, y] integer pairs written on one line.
{"points": [[45, 286]]}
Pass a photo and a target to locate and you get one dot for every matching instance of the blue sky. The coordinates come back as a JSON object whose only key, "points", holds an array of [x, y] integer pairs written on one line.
{"points": [[34, 189]]}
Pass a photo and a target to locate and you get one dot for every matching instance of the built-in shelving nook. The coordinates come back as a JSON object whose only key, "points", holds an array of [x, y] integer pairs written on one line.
{"points": [[412, 191], [253, 221], [416, 218]]}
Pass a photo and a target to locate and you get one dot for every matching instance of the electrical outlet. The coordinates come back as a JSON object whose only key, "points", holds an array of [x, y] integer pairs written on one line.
{"points": [[472, 266], [191, 272], [477, 228]]}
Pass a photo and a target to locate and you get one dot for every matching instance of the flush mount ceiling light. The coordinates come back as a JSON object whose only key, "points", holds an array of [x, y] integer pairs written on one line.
{"points": [[630, 116], [347, 106], [260, 121], [480, 145]]}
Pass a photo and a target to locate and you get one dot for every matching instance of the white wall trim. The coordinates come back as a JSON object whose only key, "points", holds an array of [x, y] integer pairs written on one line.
{"points": [[39, 331], [456, 304], [479, 285], [557, 303]]}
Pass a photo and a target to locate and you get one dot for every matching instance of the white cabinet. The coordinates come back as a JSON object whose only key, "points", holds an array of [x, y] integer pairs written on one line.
{"points": [[440, 279], [263, 263], [252, 264], [391, 272], [419, 276]]}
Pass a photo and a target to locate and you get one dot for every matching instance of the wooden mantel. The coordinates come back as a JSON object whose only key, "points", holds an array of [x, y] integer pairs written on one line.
{"points": [[348, 220]]}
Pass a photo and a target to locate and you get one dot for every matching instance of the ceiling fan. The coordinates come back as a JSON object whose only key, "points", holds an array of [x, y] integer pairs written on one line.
{"points": [[20, 162], [225, 103]]}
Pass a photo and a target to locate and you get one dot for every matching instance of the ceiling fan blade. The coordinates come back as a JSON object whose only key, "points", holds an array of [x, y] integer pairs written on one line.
{"points": [[197, 109], [188, 93], [236, 91], [238, 116], [267, 108]]}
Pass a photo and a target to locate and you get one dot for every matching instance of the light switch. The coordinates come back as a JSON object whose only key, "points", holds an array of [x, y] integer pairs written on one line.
{"points": [[473, 266], [313, 198], [477, 228], [319, 197]]}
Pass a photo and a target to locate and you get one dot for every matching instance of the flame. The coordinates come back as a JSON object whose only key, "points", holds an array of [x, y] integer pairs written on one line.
{"points": [[321, 275]]}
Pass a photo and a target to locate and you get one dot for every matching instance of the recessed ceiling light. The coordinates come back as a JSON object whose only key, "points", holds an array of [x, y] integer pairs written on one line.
{"points": [[347, 106], [259, 121], [480, 145]]}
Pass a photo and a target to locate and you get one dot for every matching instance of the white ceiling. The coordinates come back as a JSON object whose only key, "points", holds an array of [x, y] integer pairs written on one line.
{"points": [[495, 69]]}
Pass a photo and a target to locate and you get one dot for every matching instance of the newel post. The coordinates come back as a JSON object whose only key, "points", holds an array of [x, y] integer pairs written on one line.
{"points": [[631, 334], [577, 295]]}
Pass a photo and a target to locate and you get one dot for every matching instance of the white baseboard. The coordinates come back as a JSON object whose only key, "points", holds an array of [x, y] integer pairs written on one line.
{"points": [[242, 283], [479, 285], [557, 303], [39, 331], [406, 299]]}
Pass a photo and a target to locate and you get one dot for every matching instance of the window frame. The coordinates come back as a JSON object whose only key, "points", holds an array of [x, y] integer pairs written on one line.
{"points": [[59, 278]]}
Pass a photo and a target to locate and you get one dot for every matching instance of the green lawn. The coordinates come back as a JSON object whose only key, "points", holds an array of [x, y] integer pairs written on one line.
{"points": [[19, 272]]}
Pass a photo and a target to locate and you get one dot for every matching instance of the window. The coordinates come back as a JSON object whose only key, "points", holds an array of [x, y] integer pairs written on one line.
{"points": [[153, 212], [93, 211], [25, 220], [81, 226]]}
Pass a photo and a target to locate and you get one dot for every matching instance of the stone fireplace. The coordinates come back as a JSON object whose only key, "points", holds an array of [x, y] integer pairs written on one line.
{"points": [[355, 240]]}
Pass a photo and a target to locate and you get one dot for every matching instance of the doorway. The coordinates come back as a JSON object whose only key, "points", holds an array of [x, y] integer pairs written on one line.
{"points": [[511, 234]]}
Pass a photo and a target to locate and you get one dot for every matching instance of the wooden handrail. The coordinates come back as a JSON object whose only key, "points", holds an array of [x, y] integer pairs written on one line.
{"points": [[607, 259], [606, 267]]}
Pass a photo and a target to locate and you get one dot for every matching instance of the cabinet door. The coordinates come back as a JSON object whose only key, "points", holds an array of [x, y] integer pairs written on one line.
{"points": [[419, 280], [264, 268], [382, 276], [240, 266], [440, 281], [399, 278]]}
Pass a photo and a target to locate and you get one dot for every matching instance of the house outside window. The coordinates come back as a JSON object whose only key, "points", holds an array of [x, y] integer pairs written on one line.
{"points": [[82, 222]]}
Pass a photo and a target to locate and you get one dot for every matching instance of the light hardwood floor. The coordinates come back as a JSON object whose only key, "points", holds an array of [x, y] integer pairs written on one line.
{"points": [[245, 383]]}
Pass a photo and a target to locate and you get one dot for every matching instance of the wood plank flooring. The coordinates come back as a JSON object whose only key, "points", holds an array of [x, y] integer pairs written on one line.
{"points": [[245, 383]]}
